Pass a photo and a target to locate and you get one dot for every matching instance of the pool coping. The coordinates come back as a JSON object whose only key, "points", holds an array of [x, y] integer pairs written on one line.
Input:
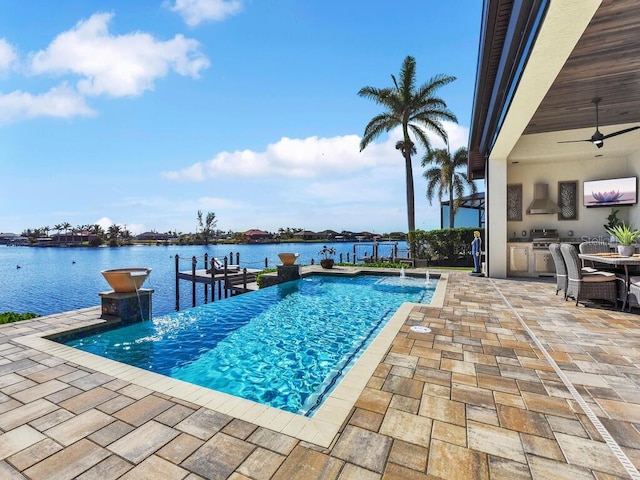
{"points": [[320, 429]]}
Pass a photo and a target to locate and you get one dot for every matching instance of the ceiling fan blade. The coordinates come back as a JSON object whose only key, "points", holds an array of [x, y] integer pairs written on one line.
{"points": [[576, 141], [620, 132]]}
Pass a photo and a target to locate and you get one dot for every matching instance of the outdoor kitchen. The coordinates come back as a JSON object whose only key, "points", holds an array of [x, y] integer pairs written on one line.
{"points": [[538, 218]]}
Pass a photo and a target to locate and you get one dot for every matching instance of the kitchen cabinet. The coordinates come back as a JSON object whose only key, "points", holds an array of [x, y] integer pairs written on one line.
{"points": [[526, 261], [543, 264], [519, 255]]}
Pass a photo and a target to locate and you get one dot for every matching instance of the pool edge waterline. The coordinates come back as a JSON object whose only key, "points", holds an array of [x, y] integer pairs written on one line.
{"points": [[319, 429]]}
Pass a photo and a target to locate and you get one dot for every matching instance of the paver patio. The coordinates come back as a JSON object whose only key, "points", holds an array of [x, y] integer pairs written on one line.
{"points": [[512, 383]]}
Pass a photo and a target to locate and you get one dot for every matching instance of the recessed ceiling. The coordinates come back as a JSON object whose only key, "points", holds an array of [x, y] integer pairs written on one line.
{"points": [[544, 147], [605, 63]]}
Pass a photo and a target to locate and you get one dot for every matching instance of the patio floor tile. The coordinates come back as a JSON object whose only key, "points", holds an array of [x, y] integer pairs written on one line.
{"points": [[34, 454], [307, 464], [143, 410], [438, 408], [363, 448], [69, 463], [25, 413], [143, 441], [261, 464], [453, 461], [203, 423], [409, 455], [80, 426], [495, 441], [407, 427], [110, 468], [277, 442], [156, 467], [218, 457], [180, 448], [18, 439], [87, 400]]}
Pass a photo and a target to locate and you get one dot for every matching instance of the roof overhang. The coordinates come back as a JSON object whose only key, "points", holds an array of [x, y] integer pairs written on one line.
{"points": [[578, 50]]}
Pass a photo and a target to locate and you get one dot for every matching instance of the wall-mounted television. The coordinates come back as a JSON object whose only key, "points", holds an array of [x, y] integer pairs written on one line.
{"points": [[611, 192]]}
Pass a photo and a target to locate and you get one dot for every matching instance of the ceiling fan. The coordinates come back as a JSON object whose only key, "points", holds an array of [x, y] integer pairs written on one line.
{"points": [[598, 138]]}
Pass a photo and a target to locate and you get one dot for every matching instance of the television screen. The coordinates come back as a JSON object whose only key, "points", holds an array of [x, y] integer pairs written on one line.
{"points": [[615, 191]]}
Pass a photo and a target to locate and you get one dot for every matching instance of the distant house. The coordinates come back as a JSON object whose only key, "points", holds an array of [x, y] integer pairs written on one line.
{"points": [[307, 235], [153, 236], [328, 234], [71, 238], [12, 239], [6, 238], [257, 236], [364, 236]]}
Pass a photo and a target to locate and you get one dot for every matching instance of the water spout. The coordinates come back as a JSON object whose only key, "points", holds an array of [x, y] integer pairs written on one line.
{"points": [[402, 272], [428, 278]]}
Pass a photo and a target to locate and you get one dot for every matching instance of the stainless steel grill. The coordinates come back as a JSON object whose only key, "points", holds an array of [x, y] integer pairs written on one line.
{"points": [[544, 237]]}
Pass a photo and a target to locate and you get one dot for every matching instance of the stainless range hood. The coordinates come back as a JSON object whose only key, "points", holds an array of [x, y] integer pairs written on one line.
{"points": [[541, 203]]}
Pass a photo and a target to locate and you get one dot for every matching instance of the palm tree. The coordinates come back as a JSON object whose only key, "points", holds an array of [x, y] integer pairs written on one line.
{"points": [[66, 226], [445, 177], [413, 109]]}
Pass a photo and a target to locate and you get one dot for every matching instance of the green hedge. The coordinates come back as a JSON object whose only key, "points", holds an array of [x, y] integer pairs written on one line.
{"points": [[10, 317], [452, 244]]}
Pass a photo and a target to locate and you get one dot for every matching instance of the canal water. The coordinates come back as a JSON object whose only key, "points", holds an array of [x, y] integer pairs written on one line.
{"points": [[52, 280]]}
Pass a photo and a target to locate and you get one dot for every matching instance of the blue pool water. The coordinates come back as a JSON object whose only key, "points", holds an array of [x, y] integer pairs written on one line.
{"points": [[285, 346]]}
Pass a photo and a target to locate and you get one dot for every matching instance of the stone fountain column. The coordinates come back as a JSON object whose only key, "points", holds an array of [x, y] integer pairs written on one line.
{"points": [[130, 306]]}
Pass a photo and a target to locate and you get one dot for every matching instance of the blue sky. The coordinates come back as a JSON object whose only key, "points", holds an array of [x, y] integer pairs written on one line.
{"points": [[141, 113]]}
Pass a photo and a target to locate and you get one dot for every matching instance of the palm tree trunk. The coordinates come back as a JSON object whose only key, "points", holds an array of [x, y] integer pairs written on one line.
{"points": [[452, 212], [411, 213]]}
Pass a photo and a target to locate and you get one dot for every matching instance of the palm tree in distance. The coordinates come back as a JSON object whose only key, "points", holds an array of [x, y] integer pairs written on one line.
{"points": [[413, 109], [445, 177]]}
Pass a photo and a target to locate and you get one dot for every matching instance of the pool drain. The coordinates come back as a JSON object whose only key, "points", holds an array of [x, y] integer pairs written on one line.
{"points": [[420, 329]]}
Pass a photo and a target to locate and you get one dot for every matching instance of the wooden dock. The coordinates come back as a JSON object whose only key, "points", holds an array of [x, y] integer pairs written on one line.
{"points": [[233, 278], [229, 282]]}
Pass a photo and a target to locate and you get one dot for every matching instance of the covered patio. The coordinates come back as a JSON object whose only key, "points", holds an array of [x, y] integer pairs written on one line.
{"points": [[512, 383], [543, 65]]}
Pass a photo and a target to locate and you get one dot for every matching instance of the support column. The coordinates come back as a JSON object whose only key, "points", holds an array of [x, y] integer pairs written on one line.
{"points": [[496, 219], [286, 273], [130, 307]]}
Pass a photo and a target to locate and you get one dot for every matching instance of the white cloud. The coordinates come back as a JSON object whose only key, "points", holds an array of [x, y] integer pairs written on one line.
{"points": [[195, 12], [7, 55], [457, 134], [104, 222], [116, 65], [309, 157], [61, 102], [300, 158]]}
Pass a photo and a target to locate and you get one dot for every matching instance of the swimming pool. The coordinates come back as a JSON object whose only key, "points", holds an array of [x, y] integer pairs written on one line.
{"points": [[285, 346]]}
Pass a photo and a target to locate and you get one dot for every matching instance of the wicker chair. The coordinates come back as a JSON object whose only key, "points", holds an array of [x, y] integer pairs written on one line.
{"points": [[582, 287], [595, 247], [561, 268], [633, 297]]}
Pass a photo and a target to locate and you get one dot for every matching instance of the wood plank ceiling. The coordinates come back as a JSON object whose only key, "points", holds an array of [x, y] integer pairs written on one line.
{"points": [[605, 63]]}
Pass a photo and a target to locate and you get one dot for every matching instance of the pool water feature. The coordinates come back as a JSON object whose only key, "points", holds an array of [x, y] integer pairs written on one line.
{"points": [[285, 346]]}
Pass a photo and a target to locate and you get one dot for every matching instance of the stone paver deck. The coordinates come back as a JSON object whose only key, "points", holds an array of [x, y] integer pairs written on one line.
{"points": [[511, 383]]}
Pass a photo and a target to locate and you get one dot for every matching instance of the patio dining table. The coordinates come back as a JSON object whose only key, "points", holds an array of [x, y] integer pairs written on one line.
{"points": [[617, 260]]}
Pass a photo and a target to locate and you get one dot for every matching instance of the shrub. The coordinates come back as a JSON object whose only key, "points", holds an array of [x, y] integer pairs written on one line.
{"points": [[450, 244], [10, 317], [259, 275]]}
